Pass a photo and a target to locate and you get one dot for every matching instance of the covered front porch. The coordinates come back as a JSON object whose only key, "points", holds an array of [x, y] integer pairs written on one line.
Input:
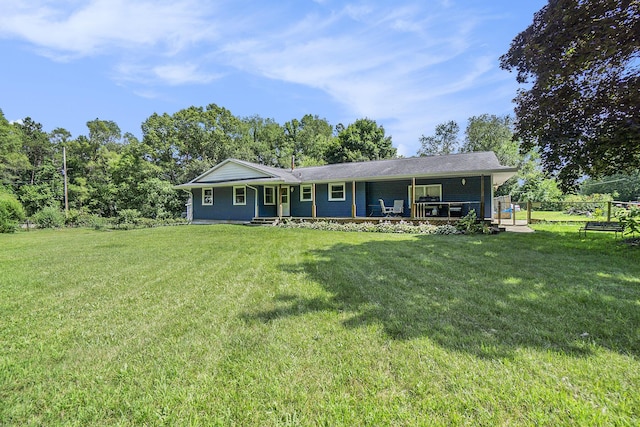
{"points": [[436, 199]]}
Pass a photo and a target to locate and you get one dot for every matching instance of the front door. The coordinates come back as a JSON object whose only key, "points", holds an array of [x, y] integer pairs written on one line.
{"points": [[284, 200]]}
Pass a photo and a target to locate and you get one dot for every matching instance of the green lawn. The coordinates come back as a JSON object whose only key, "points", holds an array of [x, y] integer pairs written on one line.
{"points": [[233, 325]]}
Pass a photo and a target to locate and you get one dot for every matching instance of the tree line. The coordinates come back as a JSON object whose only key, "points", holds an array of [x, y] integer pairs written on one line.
{"points": [[108, 171]]}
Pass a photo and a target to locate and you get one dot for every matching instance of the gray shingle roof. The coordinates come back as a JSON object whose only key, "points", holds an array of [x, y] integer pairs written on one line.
{"points": [[463, 164], [446, 165]]}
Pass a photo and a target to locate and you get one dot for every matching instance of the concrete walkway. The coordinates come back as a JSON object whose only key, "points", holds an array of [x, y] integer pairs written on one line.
{"points": [[517, 228]]}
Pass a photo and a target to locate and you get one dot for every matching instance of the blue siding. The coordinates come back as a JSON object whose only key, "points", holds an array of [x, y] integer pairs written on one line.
{"points": [[387, 191], [454, 191], [223, 208], [337, 209], [267, 210], [298, 208]]}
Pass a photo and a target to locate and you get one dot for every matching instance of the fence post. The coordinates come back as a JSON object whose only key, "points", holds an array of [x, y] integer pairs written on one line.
{"points": [[499, 211], [513, 213], [609, 211], [529, 212]]}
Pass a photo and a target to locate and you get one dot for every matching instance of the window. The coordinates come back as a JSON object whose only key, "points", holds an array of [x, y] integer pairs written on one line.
{"points": [[433, 190], [306, 193], [239, 195], [269, 196], [336, 192], [207, 196]]}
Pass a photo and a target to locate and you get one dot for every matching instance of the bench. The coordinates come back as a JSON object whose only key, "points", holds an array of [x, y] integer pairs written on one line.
{"points": [[616, 227]]}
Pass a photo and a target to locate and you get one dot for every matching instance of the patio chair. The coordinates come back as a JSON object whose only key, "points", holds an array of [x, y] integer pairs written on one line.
{"points": [[398, 207], [386, 211]]}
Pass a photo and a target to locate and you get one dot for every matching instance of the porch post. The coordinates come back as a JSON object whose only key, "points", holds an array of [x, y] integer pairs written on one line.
{"points": [[353, 199], [313, 200], [482, 197], [413, 198], [280, 201]]}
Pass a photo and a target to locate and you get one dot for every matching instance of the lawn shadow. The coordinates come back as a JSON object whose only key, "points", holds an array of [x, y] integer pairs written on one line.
{"points": [[486, 295]]}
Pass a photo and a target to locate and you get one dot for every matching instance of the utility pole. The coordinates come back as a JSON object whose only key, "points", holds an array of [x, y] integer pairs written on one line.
{"points": [[64, 172]]}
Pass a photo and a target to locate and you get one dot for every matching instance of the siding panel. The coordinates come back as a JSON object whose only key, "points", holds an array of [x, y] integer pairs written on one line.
{"points": [[223, 208], [231, 172]]}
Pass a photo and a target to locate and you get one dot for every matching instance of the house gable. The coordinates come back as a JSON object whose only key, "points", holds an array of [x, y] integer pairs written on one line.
{"points": [[231, 170]]}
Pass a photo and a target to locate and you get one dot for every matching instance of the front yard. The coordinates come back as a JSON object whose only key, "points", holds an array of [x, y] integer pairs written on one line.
{"points": [[232, 325]]}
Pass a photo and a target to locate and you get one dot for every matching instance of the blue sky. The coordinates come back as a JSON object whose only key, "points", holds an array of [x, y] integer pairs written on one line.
{"points": [[407, 64]]}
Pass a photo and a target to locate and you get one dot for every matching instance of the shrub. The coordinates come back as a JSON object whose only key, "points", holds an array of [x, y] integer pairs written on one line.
{"points": [[128, 218], [49, 217], [630, 220], [469, 224], [446, 229], [11, 213], [370, 227], [592, 205]]}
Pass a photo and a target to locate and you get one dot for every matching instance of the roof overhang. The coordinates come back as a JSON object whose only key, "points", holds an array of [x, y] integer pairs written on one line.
{"points": [[499, 176], [259, 181]]}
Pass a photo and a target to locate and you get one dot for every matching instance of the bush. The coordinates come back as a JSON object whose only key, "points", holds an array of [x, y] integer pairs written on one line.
{"points": [[11, 213], [630, 220], [128, 218], [592, 205], [49, 217], [370, 227], [446, 229], [469, 224]]}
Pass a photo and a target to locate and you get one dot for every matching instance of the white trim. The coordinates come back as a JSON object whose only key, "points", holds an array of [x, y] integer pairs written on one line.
{"points": [[285, 193], [255, 200], [235, 195], [344, 192], [424, 186], [310, 187], [204, 190], [273, 195]]}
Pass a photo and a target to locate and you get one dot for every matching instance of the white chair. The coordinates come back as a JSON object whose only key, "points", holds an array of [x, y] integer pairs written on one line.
{"points": [[386, 211], [398, 207]]}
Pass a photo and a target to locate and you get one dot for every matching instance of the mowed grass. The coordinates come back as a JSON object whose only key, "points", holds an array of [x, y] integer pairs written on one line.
{"points": [[232, 325]]}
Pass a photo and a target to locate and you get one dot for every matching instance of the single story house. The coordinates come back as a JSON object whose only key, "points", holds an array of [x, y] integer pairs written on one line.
{"points": [[418, 187]]}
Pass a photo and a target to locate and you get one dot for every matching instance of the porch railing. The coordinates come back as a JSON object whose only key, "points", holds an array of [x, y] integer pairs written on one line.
{"points": [[425, 210]]}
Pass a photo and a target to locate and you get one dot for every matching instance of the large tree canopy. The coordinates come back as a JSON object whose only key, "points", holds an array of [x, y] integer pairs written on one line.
{"points": [[362, 140], [445, 140], [489, 132], [580, 60]]}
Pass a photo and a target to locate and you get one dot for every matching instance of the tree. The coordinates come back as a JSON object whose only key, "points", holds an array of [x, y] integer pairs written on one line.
{"points": [[489, 132], [36, 146], [534, 185], [445, 140], [581, 62], [360, 141], [104, 133], [624, 187], [310, 137], [267, 142], [12, 159]]}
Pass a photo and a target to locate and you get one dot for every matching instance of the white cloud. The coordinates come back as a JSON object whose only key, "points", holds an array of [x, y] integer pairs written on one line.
{"points": [[104, 25], [404, 64], [383, 64], [173, 74], [178, 74]]}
